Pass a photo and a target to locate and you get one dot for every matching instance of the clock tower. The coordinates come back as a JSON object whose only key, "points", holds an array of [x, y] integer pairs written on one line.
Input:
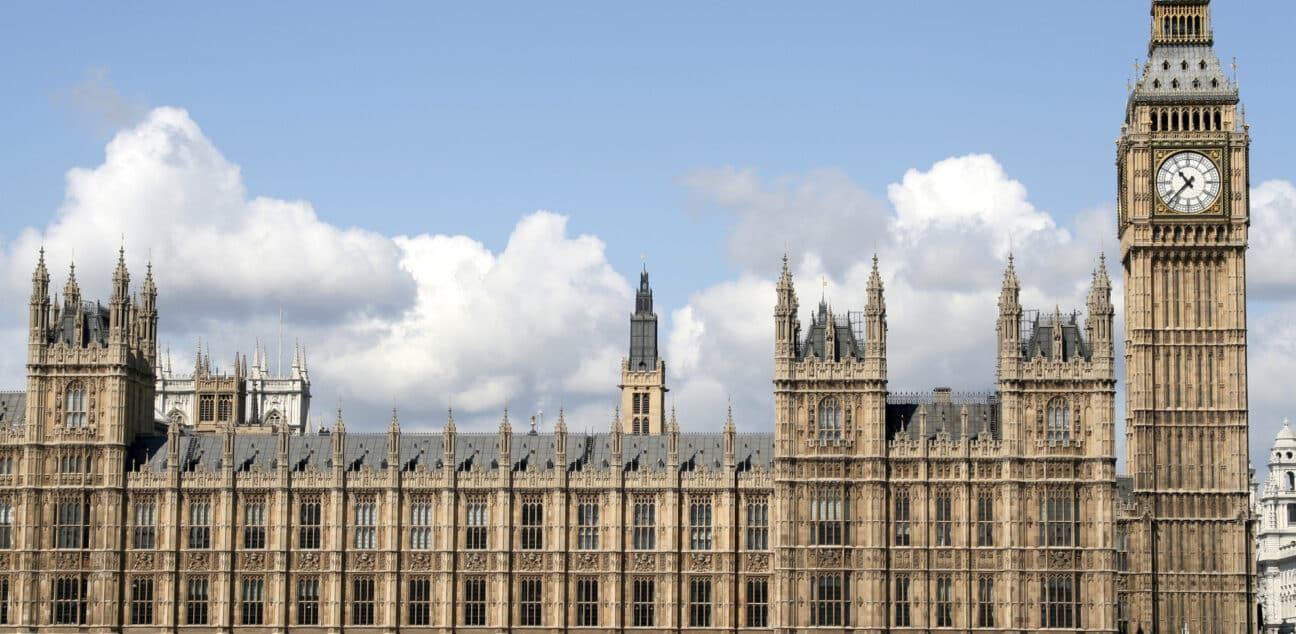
{"points": [[1183, 220]]}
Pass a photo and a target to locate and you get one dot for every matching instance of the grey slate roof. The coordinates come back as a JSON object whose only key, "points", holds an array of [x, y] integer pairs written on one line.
{"points": [[1184, 73], [13, 408], [94, 324], [1040, 340], [845, 345], [531, 452], [944, 413]]}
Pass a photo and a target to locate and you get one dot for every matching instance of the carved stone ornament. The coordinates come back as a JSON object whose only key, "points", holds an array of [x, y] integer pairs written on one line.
{"points": [[142, 561], [197, 561], [420, 561], [254, 561], [475, 561], [531, 561], [363, 561], [308, 561], [828, 557], [587, 561], [67, 561], [1060, 559], [700, 561], [757, 562], [645, 562]]}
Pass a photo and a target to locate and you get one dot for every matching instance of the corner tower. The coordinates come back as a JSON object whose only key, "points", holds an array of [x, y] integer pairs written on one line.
{"points": [[1183, 218], [643, 373]]}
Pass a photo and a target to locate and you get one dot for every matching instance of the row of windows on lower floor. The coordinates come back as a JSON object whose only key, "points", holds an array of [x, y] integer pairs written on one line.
{"points": [[829, 600]]}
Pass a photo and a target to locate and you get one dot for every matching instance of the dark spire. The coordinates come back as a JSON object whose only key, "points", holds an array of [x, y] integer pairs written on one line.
{"points": [[643, 328]]}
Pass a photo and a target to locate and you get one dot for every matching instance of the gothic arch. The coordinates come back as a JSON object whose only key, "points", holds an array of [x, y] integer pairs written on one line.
{"points": [[1059, 419], [829, 419], [74, 405]]}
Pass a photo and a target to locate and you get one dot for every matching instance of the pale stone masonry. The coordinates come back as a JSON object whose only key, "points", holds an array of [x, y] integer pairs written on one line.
{"points": [[865, 510]]}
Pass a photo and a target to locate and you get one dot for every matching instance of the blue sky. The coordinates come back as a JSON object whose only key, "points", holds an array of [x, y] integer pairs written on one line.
{"points": [[461, 120]]}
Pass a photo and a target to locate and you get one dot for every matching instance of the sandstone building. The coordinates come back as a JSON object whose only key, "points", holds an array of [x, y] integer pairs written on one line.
{"points": [[1276, 540], [866, 509]]}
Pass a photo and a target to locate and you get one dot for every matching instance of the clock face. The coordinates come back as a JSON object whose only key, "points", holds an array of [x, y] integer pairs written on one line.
{"points": [[1188, 182]]}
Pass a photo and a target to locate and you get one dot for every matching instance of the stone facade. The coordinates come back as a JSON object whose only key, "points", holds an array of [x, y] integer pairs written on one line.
{"points": [[866, 509], [1276, 540], [265, 400], [1184, 213]]}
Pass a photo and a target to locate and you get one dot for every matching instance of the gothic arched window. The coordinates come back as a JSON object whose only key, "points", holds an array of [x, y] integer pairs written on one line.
{"points": [[1291, 481], [829, 419], [74, 406], [1059, 420], [272, 419]]}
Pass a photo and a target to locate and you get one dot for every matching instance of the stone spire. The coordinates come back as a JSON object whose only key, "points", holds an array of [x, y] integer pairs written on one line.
{"points": [[672, 442], [506, 440], [39, 316], [875, 330], [72, 291], [1102, 314], [730, 439], [1010, 314], [393, 441], [787, 329], [1058, 341], [448, 439], [560, 441], [339, 441], [616, 439]]}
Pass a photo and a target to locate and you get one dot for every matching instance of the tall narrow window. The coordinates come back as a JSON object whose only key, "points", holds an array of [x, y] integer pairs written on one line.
{"points": [[1291, 514], [944, 518], [74, 411], [4, 600], [225, 408], [1057, 602], [587, 524], [587, 592], [6, 524], [985, 519], [69, 606], [1057, 518], [362, 601], [699, 606], [645, 524], [829, 419], [944, 601], [826, 517], [196, 601], [199, 525], [902, 525], [474, 601], [206, 408], [141, 601], [308, 527], [985, 602], [252, 606], [366, 516], [758, 602], [308, 601], [758, 524], [901, 603], [700, 524], [420, 601], [144, 526], [421, 525], [530, 612], [475, 524], [254, 525], [532, 524], [1059, 419], [72, 523], [826, 595], [644, 602]]}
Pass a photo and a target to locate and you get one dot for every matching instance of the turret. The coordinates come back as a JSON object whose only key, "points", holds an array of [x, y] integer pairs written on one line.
{"points": [[786, 326], [672, 442], [71, 290], [1010, 315], [1057, 342], [875, 330], [617, 460], [119, 305], [39, 315], [339, 442], [1101, 319]]}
